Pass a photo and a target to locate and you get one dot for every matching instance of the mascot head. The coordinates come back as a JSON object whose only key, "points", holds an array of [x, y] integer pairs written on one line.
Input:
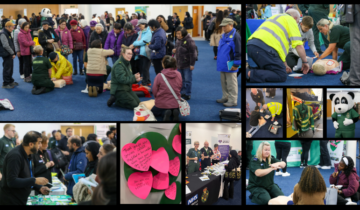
{"points": [[343, 101], [45, 12]]}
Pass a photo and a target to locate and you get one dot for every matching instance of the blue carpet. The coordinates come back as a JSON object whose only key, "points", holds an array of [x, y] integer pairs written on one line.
{"points": [[331, 130], [308, 79], [263, 131], [69, 104], [287, 183], [237, 196]]}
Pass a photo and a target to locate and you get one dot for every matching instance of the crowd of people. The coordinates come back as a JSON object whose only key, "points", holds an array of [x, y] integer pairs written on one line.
{"points": [[133, 44], [27, 165]]}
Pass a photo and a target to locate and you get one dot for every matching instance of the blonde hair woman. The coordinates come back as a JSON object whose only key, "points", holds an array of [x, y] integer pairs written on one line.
{"points": [[193, 156], [261, 181], [338, 37]]}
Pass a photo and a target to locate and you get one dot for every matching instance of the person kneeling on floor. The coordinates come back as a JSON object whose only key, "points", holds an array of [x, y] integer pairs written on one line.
{"points": [[61, 68], [256, 121], [165, 102], [97, 69], [275, 108], [122, 79], [41, 73]]}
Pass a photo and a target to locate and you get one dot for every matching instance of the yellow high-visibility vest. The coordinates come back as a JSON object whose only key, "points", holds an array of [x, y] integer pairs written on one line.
{"points": [[278, 32], [275, 108]]}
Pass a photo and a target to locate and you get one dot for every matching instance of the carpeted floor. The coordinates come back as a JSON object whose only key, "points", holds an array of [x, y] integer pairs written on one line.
{"points": [[69, 104], [287, 183], [237, 196], [263, 131], [331, 130], [308, 79]]}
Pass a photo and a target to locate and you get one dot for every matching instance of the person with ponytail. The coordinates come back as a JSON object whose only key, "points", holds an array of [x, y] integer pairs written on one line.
{"points": [[339, 37], [105, 192], [345, 174]]}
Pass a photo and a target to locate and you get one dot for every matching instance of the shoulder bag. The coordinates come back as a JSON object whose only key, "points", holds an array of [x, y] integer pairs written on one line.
{"points": [[235, 174], [65, 49], [31, 48], [183, 105], [55, 44]]}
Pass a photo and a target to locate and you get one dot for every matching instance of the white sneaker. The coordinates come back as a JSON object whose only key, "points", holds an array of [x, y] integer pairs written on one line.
{"points": [[325, 167], [351, 203], [85, 91], [22, 76], [278, 173], [286, 174], [317, 166]]}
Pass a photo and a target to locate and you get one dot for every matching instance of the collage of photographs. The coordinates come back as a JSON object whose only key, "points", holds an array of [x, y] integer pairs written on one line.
{"points": [[78, 80]]}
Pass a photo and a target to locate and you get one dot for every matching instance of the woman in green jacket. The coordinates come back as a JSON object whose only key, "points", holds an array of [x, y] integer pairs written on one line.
{"points": [[122, 79], [193, 156]]}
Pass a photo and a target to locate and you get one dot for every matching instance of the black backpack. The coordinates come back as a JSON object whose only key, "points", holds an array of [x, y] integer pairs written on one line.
{"points": [[59, 158]]}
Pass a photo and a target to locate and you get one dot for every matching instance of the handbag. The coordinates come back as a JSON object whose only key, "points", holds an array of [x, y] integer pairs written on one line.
{"points": [[183, 104], [65, 49], [211, 26], [331, 196], [31, 48], [148, 51], [59, 158], [233, 175]]}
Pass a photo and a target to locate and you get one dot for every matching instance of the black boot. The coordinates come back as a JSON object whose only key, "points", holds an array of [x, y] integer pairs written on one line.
{"points": [[111, 100], [33, 90], [40, 90], [81, 72], [167, 115], [75, 73], [175, 113]]}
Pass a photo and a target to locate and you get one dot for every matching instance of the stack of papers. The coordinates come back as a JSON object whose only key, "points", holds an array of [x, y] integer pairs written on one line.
{"points": [[204, 178]]}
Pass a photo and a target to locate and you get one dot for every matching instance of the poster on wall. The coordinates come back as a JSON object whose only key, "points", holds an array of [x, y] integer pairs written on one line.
{"points": [[336, 149], [224, 143], [101, 130], [275, 11], [188, 141], [295, 154], [141, 9], [1, 12]]}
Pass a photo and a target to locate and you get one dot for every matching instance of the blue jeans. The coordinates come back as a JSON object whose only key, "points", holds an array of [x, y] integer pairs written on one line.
{"points": [[114, 59], [78, 54], [186, 75]]}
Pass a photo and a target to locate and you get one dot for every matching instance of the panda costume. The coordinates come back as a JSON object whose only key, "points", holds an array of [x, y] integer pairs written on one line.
{"points": [[46, 15], [344, 117]]}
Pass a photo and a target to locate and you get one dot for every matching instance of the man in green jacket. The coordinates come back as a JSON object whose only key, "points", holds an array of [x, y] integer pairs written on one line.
{"points": [[317, 12], [52, 141], [304, 9], [122, 79], [6, 143]]}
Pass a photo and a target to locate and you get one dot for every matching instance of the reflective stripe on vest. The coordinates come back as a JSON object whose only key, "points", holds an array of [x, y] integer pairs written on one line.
{"points": [[272, 104]]}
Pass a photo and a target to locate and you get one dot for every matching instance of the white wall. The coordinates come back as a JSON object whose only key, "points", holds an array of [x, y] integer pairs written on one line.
{"points": [[209, 131]]}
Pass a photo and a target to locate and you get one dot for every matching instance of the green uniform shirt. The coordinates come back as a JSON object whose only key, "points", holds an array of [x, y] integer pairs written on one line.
{"points": [[266, 181], [339, 35], [41, 66], [303, 124], [6, 145], [192, 153], [350, 114], [289, 141], [52, 143]]}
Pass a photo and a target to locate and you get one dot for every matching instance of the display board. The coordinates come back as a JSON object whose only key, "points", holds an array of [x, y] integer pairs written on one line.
{"points": [[224, 143], [188, 141]]}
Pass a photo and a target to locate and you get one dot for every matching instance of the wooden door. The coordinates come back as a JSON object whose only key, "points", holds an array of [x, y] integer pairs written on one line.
{"points": [[200, 15], [195, 13], [328, 108], [121, 10], [180, 10], [80, 130]]}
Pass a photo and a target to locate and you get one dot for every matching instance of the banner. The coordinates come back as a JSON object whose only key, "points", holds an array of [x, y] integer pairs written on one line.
{"points": [[224, 143], [294, 157], [335, 148], [101, 130], [275, 11], [141, 9], [188, 141]]}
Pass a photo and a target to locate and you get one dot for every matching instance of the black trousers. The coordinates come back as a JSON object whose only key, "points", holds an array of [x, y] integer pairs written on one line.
{"points": [[159, 111], [21, 65], [282, 151], [341, 198], [324, 156], [143, 64], [215, 48], [228, 192], [306, 144], [134, 67], [97, 81], [27, 65], [157, 65], [8, 69]]}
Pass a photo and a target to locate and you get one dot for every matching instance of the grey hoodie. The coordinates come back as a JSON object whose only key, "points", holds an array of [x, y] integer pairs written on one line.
{"points": [[16, 33]]}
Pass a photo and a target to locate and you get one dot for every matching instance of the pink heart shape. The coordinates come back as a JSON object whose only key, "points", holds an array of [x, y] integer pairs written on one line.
{"points": [[138, 156], [171, 191], [161, 181], [140, 184], [177, 144], [174, 166], [160, 160]]}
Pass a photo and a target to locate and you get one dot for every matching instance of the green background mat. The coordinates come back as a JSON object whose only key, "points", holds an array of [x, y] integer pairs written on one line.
{"points": [[34, 200], [157, 141]]}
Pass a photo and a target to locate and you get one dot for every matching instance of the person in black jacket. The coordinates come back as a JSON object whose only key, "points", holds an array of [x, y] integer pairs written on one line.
{"points": [[169, 47], [121, 21], [175, 23], [233, 163], [99, 33], [7, 52], [91, 151], [18, 172], [206, 23], [47, 35], [130, 36], [257, 96], [188, 23], [42, 163]]}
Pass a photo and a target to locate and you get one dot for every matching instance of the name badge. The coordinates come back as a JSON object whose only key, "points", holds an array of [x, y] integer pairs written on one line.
{"points": [[40, 161], [261, 164], [339, 115], [6, 145], [79, 31]]}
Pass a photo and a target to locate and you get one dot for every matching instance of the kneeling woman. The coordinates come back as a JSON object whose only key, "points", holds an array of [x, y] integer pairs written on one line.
{"points": [[61, 67], [345, 175], [339, 37], [97, 69], [41, 73], [261, 181], [122, 80], [165, 102]]}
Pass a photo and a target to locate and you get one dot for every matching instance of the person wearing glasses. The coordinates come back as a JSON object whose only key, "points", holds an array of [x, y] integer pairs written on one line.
{"points": [[193, 156], [6, 143]]}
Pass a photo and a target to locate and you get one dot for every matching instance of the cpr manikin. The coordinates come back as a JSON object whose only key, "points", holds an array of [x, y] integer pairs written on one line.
{"points": [[321, 67]]}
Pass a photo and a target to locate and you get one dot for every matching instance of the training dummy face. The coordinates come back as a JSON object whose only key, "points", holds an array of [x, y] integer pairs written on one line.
{"points": [[326, 66]]}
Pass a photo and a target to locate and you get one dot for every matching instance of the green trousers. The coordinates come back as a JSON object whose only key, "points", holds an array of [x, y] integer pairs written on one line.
{"points": [[262, 196], [127, 99], [344, 134], [316, 17], [44, 83], [345, 57], [193, 167]]}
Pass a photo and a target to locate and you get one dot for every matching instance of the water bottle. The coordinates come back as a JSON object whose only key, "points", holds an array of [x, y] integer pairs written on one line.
{"points": [[40, 199]]}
